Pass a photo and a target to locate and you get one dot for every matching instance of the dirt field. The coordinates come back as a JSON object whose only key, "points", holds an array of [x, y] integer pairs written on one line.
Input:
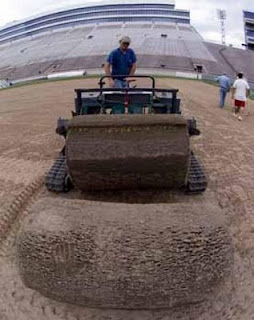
{"points": [[28, 146]]}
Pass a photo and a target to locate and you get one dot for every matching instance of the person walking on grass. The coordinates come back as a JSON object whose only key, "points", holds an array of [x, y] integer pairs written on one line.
{"points": [[225, 85], [240, 93]]}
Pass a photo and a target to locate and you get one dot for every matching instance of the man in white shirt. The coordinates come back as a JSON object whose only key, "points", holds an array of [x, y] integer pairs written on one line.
{"points": [[240, 92]]}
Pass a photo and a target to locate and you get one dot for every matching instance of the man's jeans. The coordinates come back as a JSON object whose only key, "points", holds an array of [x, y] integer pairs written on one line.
{"points": [[223, 93], [121, 84]]}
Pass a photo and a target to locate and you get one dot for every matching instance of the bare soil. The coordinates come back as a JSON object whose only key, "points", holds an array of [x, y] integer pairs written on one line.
{"points": [[29, 145]]}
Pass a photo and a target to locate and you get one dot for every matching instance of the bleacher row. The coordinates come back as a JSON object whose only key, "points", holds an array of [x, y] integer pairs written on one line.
{"points": [[165, 46]]}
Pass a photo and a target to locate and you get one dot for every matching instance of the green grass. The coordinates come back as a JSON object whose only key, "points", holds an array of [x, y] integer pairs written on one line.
{"points": [[35, 82], [213, 83]]}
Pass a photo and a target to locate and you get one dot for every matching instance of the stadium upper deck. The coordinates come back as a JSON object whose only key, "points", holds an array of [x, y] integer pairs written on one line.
{"points": [[248, 18], [131, 11]]}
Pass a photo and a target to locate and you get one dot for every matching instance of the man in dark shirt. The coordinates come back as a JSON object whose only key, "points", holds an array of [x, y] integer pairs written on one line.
{"points": [[121, 64]]}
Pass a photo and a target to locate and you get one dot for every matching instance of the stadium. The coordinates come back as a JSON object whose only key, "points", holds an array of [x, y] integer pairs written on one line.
{"points": [[172, 255], [249, 29], [79, 38]]}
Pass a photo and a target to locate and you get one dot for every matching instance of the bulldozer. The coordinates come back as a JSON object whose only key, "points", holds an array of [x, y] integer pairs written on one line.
{"points": [[125, 139]]}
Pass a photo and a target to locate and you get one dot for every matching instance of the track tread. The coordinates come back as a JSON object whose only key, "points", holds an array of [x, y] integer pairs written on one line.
{"points": [[197, 182], [56, 179]]}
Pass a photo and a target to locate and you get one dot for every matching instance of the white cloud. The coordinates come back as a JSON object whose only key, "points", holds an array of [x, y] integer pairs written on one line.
{"points": [[204, 18]]}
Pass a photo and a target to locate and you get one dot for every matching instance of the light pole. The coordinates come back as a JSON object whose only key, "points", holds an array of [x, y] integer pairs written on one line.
{"points": [[222, 17]]}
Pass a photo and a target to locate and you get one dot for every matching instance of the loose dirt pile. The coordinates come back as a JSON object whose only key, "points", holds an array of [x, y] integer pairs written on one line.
{"points": [[124, 256], [28, 146]]}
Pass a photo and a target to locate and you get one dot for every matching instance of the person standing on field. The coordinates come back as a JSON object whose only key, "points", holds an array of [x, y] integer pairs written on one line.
{"points": [[121, 64], [225, 85], [240, 93]]}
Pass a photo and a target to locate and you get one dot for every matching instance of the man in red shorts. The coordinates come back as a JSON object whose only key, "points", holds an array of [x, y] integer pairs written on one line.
{"points": [[240, 92]]}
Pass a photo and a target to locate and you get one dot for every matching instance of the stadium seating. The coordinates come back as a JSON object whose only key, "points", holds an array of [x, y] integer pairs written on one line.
{"points": [[158, 45]]}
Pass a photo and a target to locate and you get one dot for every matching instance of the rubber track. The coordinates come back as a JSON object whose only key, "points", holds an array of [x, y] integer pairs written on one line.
{"points": [[197, 182], [56, 178]]}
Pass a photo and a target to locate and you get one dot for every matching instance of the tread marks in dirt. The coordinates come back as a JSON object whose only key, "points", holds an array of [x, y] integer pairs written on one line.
{"points": [[14, 211]]}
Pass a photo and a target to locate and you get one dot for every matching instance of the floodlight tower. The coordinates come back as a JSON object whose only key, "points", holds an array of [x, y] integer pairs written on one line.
{"points": [[222, 17]]}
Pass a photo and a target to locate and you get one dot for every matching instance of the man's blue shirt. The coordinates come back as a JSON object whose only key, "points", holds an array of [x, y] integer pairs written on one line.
{"points": [[121, 62], [224, 82]]}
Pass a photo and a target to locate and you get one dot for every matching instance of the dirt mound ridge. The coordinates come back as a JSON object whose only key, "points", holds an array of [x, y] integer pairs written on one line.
{"points": [[124, 255]]}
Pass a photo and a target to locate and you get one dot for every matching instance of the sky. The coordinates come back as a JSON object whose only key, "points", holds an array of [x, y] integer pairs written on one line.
{"points": [[203, 14]]}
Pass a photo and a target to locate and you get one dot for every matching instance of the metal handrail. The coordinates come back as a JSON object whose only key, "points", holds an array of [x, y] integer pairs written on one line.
{"points": [[125, 89]]}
